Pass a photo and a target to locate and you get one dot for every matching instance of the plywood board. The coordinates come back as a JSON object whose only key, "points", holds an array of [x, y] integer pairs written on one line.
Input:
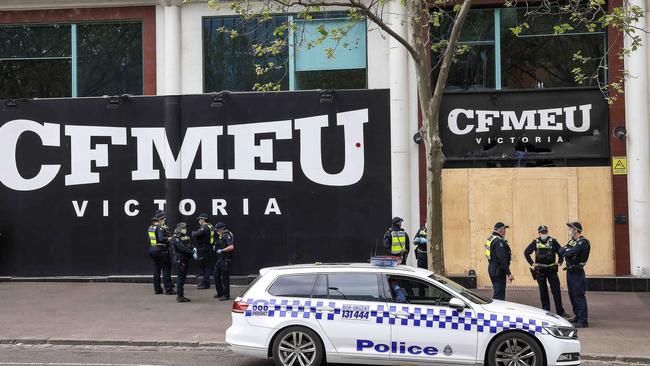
{"points": [[474, 199]]}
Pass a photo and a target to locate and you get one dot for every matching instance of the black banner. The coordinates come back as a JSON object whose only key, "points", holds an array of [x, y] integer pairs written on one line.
{"points": [[295, 178], [548, 124]]}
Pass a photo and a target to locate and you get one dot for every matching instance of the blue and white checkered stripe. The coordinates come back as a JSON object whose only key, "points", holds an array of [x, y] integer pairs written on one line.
{"points": [[419, 316], [294, 308]]}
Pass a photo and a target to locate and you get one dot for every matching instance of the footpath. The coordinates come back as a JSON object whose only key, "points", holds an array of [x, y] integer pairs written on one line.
{"points": [[129, 314]]}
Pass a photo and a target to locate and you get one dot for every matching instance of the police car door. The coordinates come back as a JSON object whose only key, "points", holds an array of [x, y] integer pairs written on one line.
{"points": [[425, 328], [349, 314]]}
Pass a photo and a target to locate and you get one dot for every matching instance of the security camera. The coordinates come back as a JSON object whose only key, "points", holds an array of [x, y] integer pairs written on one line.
{"points": [[620, 132], [417, 138]]}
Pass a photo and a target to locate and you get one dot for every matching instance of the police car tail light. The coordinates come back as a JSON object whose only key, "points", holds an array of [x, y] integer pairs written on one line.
{"points": [[562, 332], [239, 306]]}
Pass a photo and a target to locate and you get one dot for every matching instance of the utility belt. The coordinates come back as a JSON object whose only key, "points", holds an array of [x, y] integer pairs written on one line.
{"points": [[546, 267], [575, 267]]}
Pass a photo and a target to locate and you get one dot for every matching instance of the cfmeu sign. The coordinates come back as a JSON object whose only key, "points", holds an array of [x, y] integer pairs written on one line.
{"points": [[249, 145], [281, 169]]}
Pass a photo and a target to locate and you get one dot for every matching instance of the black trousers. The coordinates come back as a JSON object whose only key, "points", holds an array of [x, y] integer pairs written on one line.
{"points": [[222, 277], [498, 279], [422, 260], [182, 268], [577, 284], [551, 276], [162, 262], [206, 267]]}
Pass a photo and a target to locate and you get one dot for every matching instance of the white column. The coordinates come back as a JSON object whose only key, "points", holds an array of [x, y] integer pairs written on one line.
{"points": [[399, 118], [638, 151], [172, 47]]}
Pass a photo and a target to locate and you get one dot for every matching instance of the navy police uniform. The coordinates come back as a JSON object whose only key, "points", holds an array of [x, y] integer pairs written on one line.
{"points": [[396, 240], [182, 246], [576, 255], [204, 237], [499, 256], [545, 268], [224, 262], [159, 238], [421, 248]]}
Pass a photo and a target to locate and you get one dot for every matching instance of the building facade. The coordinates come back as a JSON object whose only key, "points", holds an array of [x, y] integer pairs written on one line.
{"points": [[506, 160]]}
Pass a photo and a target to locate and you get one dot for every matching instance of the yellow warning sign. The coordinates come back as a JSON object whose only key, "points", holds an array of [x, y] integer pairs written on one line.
{"points": [[619, 165]]}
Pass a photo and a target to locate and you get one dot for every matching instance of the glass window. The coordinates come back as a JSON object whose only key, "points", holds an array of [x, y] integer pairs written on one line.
{"points": [[40, 61], [293, 286], [229, 62], [475, 68], [537, 58], [331, 79], [320, 288], [109, 59], [353, 286], [473, 297], [418, 291], [35, 61]]}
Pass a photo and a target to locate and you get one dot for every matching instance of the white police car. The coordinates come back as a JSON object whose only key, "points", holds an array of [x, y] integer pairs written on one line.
{"points": [[349, 313]]}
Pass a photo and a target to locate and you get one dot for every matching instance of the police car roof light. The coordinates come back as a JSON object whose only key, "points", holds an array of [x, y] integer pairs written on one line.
{"points": [[385, 260]]}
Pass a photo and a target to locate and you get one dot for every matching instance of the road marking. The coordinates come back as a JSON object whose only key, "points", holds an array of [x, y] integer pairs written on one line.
{"points": [[73, 364]]}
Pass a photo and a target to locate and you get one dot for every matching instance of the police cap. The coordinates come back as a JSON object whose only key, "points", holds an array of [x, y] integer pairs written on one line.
{"points": [[500, 225], [203, 216], [397, 220], [159, 215], [542, 228], [576, 225], [220, 225]]}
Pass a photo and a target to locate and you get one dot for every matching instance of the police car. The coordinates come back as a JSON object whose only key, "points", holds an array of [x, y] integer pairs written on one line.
{"points": [[366, 314]]}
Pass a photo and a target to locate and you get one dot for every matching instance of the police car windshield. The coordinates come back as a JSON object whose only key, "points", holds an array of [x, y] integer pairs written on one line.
{"points": [[471, 296]]}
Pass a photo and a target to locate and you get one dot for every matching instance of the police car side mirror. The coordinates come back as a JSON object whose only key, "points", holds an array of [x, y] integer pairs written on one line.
{"points": [[457, 304]]}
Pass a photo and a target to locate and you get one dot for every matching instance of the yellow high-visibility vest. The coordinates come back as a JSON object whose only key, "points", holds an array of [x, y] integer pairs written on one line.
{"points": [[152, 235], [488, 245], [398, 242]]}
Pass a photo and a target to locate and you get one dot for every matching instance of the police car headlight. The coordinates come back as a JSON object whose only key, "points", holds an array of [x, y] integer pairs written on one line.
{"points": [[562, 332]]}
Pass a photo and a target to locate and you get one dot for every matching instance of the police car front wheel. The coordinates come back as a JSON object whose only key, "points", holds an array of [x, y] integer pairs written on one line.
{"points": [[297, 346], [515, 349]]}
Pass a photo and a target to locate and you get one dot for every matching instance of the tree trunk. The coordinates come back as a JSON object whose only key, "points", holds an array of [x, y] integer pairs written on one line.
{"points": [[430, 100]]}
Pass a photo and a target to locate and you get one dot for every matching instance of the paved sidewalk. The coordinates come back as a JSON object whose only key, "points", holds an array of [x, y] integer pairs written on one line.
{"points": [[130, 314]]}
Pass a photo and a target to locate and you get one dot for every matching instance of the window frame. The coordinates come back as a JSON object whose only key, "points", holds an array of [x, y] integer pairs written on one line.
{"points": [[74, 42], [417, 279], [290, 66], [278, 278]]}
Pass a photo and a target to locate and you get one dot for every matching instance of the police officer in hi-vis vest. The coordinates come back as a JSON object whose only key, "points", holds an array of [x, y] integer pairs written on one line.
{"points": [[576, 255], [544, 268], [498, 254], [204, 237], [396, 240], [159, 240]]}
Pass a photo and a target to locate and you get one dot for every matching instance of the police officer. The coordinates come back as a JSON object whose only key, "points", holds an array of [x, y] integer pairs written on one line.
{"points": [[159, 239], [397, 240], [224, 248], [182, 245], [545, 267], [204, 238], [499, 256], [576, 255], [421, 248]]}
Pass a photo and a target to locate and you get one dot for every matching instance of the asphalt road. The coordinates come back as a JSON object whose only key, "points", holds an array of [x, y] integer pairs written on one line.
{"points": [[59, 355]]}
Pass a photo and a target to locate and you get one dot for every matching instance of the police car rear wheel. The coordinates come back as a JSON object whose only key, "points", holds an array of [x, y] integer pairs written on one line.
{"points": [[297, 346], [515, 349]]}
